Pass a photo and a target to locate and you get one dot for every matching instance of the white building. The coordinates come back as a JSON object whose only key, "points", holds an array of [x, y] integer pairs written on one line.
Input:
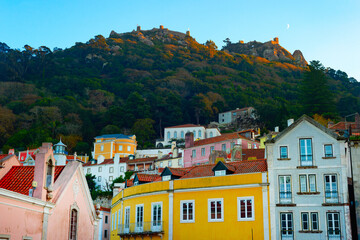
{"points": [[178, 132], [231, 116], [307, 167], [106, 170]]}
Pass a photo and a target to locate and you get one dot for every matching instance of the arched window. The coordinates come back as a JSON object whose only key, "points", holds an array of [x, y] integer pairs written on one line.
{"points": [[194, 133], [182, 134], [199, 133], [211, 134], [49, 173], [175, 134], [168, 135], [73, 224]]}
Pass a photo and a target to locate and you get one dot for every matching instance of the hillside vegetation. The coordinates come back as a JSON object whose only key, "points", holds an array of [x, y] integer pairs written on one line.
{"points": [[142, 81]]}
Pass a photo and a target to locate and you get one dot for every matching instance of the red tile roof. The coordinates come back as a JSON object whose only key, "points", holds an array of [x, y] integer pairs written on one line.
{"points": [[253, 153], [139, 160], [223, 137], [185, 126], [19, 179], [180, 171], [147, 177], [343, 125], [3, 156], [129, 182], [106, 161]]}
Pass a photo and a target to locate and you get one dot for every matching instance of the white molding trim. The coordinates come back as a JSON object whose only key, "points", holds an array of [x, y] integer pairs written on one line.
{"points": [[25, 198], [171, 220], [219, 187]]}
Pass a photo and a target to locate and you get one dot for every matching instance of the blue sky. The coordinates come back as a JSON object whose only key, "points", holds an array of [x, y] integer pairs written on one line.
{"points": [[325, 30]]}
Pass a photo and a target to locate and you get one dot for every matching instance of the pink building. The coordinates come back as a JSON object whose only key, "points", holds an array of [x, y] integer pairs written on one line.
{"points": [[198, 152], [104, 226], [46, 201]]}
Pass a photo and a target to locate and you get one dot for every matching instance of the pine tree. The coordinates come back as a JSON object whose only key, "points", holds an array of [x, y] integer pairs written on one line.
{"points": [[316, 96]]}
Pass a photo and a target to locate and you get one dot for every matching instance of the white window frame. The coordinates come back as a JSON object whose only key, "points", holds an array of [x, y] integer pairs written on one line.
{"points": [[112, 222], [286, 192], [307, 220], [120, 147], [306, 162], [111, 178], [175, 134], [199, 134], [239, 199], [182, 134], [287, 152], [166, 178], [290, 230], [332, 150], [202, 151], [181, 211], [212, 148], [100, 169], [333, 236], [139, 228], [99, 178], [332, 199], [128, 148], [221, 200], [312, 222], [193, 153], [220, 173], [156, 227], [122, 169], [127, 219], [102, 148], [88, 170], [115, 218], [111, 169], [180, 162], [119, 217], [169, 163]]}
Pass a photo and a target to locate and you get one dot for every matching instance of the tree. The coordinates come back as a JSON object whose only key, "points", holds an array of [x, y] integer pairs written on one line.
{"points": [[144, 131], [316, 96], [90, 179]]}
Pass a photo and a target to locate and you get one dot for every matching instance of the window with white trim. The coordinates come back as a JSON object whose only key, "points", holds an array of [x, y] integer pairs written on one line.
{"points": [[175, 134], [115, 218], [156, 216], [216, 210], [168, 135], [139, 220], [102, 148], [111, 169], [73, 224], [331, 193], [284, 152], [88, 170], [333, 225], [314, 219], [100, 169], [121, 169], [211, 134], [111, 178], [180, 163], [309, 221], [199, 133], [328, 149], [127, 220], [212, 148], [119, 218], [285, 189], [99, 178], [202, 151], [307, 183], [166, 178], [120, 147], [194, 153], [306, 154], [129, 148], [245, 209], [187, 211], [220, 173], [286, 226], [182, 134], [169, 163]]}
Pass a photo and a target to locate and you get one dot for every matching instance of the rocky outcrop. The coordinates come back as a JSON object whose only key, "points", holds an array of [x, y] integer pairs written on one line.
{"points": [[299, 58], [270, 50]]}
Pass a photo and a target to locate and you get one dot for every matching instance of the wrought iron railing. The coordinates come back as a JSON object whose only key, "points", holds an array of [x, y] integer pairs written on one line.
{"points": [[331, 197], [141, 228]]}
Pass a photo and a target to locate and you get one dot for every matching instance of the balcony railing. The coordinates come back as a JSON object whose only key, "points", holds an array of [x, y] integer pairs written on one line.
{"points": [[331, 197], [140, 228], [285, 197]]}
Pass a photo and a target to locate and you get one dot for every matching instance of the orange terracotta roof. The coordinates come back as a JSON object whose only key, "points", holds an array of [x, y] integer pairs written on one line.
{"points": [[129, 182], [223, 137], [147, 177], [180, 171], [138, 160], [343, 125], [185, 126], [3, 156], [104, 209], [106, 161], [250, 166], [253, 153], [167, 157], [19, 178]]}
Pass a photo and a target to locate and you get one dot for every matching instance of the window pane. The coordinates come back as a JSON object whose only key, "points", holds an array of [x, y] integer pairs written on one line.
{"points": [[218, 210], [249, 209], [312, 183], [212, 210], [242, 208], [303, 187]]}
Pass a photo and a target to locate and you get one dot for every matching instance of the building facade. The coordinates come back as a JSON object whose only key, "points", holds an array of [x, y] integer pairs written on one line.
{"points": [[308, 175], [204, 202], [106, 146], [231, 116]]}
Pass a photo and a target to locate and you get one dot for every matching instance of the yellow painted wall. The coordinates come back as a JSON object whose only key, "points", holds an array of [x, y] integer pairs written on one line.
{"points": [[263, 139], [200, 190]]}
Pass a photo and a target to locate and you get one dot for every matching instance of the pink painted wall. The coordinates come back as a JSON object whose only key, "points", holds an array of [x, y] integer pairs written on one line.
{"points": [[106, 226], [7, 164], [191, 161], [17, 221], [60, 218]]}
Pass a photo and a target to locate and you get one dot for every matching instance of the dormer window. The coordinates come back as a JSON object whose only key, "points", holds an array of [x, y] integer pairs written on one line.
{"points": [[220, 173], [166, 178]]}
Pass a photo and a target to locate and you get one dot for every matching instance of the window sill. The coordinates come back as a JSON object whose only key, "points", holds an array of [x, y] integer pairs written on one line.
{"points": [[286, 205], [306, 167], [284, 159], [334, 204], [328, 157], [302, 231], [308, 193]]}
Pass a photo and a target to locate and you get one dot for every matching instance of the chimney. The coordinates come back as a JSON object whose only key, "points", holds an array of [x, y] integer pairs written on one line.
{"points": [[277, 129], [100, 159], [160, 154], [236, 153], [173, 145], [175, 153], [11, 152], [357, 121], [189, 139], [116, 159], [44, 171], [290, 121]]}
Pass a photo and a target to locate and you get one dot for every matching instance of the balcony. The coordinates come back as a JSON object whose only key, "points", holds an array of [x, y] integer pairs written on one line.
{"points": [[144, 228]]}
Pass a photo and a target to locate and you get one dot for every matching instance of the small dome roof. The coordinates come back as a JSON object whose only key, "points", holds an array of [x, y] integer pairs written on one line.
{"points": [[60, 143]]}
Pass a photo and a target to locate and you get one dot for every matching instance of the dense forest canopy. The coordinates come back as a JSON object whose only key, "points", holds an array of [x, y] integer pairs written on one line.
{"points": [[141, 82]]}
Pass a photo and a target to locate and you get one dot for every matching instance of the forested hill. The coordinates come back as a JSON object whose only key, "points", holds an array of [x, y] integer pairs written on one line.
{"points": [[143, 81]]}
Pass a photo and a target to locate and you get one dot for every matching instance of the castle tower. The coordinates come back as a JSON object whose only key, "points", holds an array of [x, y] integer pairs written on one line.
{"points": [[161, 27], [138, 28], [59, 153], [276, 40]]}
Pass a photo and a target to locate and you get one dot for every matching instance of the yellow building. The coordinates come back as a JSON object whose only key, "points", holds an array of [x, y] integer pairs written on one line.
{"points": [[108, 145], [262, 139], [222, 201]]}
